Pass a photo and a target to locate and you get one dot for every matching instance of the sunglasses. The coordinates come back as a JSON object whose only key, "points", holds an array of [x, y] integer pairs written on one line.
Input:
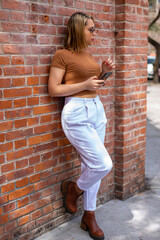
{"points": [[92, 30]]}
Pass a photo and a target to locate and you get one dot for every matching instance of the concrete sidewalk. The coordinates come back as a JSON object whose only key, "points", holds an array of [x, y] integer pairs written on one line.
{"points": [[137, 218]]}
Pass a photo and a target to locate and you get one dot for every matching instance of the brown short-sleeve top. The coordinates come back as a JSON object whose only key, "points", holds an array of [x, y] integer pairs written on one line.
{"points": [[78, 67]]}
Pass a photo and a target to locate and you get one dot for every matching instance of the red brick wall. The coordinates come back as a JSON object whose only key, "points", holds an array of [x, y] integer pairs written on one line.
{"points": [[131, 48], [35, 155]]}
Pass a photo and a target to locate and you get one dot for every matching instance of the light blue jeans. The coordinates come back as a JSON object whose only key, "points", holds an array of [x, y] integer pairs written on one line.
{"points": [[83, 122]]}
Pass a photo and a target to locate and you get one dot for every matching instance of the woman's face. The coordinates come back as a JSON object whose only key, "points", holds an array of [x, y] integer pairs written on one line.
{"points": [[89, 32]]}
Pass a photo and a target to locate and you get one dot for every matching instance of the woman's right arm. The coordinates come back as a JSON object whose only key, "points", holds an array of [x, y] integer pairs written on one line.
{"points": [[57, 89]]}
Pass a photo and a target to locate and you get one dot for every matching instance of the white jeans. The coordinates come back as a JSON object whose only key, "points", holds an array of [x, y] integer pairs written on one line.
{"points": [[83, 121]]}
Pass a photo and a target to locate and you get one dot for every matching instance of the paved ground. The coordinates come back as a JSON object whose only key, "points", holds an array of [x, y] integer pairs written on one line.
{"points": [[137, 218]]}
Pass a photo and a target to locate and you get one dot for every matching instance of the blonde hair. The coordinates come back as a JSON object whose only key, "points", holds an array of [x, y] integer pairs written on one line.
{"points": [[75, 38]]}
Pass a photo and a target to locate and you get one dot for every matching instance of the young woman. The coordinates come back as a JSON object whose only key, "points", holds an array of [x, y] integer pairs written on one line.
{"points": [[75, 75]]}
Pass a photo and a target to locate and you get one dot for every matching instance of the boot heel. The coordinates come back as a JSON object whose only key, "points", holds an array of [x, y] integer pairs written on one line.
{"points": [[84, 226], [64, 187]]}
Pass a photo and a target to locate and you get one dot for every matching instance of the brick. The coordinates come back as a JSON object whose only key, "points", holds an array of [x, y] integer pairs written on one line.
{"points": [[21, 183], [46, 118], [16, 5], [36, 214], [26, 112], [19, 70], [45, 183], [21, 163], [49, 191], [4, 219], [8, 188], [32, 17], [3, 199], [45, 128], [16, 49], [48, 209], [18, 16], [40, 90], [44, 109], [33, 81], [21, 192], [20, 173], [33, 121], [2, 137], [1, 230], [44, 147], [4, 15], [19, 154], [44, 19], [32, 60], [41, 69], [19, 134], [17, 60], [45, 99], [21, 102], [2, 179], [5, 82], [23, 202], [17, 38], [7, 167], [43, 29], [4, 60], [20, 123], [35, 178], [31, 39], [5, 104], [20, 143], [43, 8], [10, 93], [4, 38], [45, 40], [47, 174], [2, 159], [23, 220], [34, 197], [6, 126], [34, 140], [34, 160], [10, 226], [33, 101], [20, 212]]}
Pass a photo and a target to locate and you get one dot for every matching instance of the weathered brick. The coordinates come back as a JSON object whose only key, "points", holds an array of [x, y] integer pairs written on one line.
{"points": [[16, 49], [23, 220], [20, 113], [19, 70], [23, 202], [5, 82], [16, 5], [4, 60], [7, 167], [17, 60], [20, 173], [21, 163], [21, 183], [20, 212], [21, 192], [4, 219], [18, 16], [20, 102]]}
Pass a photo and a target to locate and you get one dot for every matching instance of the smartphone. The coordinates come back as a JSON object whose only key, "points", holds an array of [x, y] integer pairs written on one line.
{"points": [[106, 75]]}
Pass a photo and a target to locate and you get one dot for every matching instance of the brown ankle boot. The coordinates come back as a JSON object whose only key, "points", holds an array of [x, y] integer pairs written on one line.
{"points": [[89, 223], [71, 193]]}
